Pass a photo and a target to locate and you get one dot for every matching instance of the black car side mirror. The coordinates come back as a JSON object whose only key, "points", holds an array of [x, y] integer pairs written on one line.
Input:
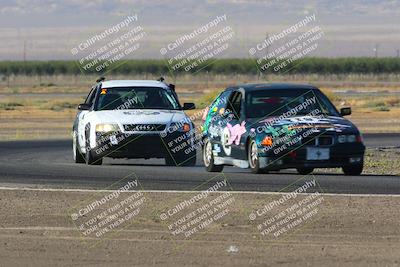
{"points": [[188, 106], [345, 111], [84, 106]]}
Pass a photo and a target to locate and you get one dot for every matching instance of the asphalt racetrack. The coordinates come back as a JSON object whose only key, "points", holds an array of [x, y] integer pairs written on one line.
{"points": [[48, 164]]}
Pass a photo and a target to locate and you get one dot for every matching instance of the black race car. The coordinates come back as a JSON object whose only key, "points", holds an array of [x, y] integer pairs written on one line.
{"points": [[268, 127]]}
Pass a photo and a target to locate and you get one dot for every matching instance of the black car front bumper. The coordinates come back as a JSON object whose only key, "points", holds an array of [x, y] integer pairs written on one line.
{"points": [[340, 155]]}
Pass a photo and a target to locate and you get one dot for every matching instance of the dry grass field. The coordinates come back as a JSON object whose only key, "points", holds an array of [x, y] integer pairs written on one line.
{"points": [[45, 107]]}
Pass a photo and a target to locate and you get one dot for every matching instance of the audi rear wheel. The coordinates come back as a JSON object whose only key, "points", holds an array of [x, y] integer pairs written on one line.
{"points": [[77, 154]]}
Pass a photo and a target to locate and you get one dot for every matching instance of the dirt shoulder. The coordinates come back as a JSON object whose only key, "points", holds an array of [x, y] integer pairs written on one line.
{"points": [[36, 229]]}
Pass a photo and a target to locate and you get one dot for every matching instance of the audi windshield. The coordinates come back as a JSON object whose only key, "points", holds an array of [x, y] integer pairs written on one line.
{"points": [[135, 98]]}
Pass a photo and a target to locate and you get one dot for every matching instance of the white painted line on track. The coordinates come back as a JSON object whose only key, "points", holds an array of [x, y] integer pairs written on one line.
{"points": [[185, 192]]}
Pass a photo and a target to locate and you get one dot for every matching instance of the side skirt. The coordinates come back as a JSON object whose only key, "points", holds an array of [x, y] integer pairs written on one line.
{"points": [[231, 161]]}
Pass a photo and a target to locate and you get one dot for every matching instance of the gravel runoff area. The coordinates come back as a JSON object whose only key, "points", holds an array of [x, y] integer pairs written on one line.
{"points": [[48, 228]]}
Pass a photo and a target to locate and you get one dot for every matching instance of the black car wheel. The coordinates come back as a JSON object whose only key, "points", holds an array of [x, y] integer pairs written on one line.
{"points": [[208, 158], [305, 171], [252, 156], [353, 170]]}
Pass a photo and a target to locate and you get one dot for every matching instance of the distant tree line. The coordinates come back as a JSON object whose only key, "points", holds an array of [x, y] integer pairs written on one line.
{"points": [[362, 65]]}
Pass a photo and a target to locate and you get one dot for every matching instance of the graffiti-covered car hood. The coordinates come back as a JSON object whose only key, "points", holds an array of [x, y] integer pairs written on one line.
{"points": [[327, 123]]}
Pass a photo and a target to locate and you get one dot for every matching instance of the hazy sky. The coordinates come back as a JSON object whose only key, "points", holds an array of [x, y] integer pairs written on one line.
{"points": [[49, 29]]}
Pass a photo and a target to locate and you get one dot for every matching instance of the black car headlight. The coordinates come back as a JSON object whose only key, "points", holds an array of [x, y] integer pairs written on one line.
{"points": [[349, 138]]}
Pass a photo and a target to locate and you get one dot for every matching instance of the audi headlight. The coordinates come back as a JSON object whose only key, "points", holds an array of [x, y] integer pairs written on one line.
{"points": [[106, 128]]}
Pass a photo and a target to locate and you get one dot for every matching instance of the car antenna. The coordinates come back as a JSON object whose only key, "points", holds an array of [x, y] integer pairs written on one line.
{"points": [[101, 79], [171, 86]]}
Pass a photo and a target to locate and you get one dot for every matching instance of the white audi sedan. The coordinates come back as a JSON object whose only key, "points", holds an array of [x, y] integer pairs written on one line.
{"points": [[133, 119]]}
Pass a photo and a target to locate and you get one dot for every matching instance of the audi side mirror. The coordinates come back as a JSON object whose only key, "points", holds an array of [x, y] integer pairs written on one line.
{"points": [[84, 106]]}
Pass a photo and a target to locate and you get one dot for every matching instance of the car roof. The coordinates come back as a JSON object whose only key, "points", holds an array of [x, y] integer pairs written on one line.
{"points": [[266, 86], [133, 83]]}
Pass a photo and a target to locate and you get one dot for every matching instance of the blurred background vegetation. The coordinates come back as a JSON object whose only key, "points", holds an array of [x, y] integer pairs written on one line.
{"points": [[313, 65]]}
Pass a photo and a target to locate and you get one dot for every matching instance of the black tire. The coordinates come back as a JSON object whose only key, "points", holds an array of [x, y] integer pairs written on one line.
{"points": [[353, 170], [78, 157], [305, 171], [89, 158], [252, 157], [208, 158]]}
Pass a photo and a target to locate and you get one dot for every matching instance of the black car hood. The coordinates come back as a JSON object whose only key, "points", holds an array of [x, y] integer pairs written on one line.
{"points": [[328, 123]]}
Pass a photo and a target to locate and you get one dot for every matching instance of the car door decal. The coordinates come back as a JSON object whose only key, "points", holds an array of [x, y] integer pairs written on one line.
{"points": [[231, 135], [236, 132]]}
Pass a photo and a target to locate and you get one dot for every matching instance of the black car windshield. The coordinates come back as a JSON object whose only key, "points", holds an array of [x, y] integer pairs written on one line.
{"points": [[276, 102], [119, 98]]}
